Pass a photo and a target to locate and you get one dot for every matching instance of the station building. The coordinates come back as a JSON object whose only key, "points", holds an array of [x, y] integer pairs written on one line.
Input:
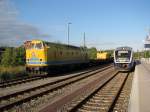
{"points": [[147, 43]]}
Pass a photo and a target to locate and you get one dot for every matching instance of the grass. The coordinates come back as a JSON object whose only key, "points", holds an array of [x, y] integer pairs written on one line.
{"points": [[8, 73]]}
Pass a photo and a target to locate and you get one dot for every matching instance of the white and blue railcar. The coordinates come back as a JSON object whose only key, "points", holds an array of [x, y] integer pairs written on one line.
{"points": [[123, 59]]}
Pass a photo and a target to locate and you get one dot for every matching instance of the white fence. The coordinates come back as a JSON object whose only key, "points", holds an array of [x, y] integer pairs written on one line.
{"points": [[145, 60]]}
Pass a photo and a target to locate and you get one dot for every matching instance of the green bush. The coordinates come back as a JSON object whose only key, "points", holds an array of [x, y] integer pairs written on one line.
{"points": [[12, 63], [13, 57], [7, 73], [5, 76], [20, 56]]}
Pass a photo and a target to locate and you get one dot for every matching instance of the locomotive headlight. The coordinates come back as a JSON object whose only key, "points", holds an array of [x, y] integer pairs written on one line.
{"points": [[40, 59]]}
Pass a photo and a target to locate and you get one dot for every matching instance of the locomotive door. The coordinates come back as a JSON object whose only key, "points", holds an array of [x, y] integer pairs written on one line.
{"points": [[55, 53]]}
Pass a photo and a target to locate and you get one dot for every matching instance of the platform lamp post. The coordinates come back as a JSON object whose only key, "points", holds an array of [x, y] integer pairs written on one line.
{"points": [[69, 31]]}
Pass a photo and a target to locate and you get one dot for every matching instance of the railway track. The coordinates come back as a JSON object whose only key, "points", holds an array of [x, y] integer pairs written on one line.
{"points": [[112, 95], [14, 82], [19, 81], [13, 99], [123, 100], [104, 98], [106, 95]]}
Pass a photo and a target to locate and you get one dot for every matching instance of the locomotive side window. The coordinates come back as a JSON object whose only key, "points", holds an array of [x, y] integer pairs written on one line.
{"points": [[60, 52], [45, 44], [54, 54]]}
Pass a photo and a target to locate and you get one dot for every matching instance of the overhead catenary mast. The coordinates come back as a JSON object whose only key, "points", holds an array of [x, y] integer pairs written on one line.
{"points": [[84, 39]]}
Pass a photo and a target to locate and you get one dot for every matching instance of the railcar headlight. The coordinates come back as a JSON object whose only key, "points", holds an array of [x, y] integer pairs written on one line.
{"points": [[125, 65]]}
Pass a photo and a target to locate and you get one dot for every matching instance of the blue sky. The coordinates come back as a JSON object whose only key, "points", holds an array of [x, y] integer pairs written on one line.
{"points": [[107, 23]]}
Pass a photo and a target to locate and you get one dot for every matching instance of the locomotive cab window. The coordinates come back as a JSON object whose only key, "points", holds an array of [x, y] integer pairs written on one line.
{"points": [[29, 45], [39, 46]]}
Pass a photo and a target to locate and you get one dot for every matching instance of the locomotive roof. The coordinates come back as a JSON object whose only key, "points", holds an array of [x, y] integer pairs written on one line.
{"points": [[124, 48], [59, 44]]}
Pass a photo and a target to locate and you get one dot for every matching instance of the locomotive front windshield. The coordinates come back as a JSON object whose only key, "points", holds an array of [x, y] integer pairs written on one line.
{"points": [[123, 54], [34, 45]]}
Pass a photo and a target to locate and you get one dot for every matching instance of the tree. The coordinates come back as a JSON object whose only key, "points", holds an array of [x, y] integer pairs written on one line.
{"points": [[111, 52], [147, 54], [20, 56], [92, 52], [7, 57], [13, 57]]}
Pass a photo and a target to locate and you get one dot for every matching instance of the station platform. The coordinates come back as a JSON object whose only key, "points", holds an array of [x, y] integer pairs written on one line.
{"points": [[140, 93]]}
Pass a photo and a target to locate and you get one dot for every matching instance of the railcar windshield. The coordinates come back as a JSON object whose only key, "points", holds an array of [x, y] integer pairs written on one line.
{"points": [[123, 54]]}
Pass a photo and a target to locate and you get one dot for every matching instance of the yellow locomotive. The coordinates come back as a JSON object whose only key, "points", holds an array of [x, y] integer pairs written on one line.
{"points": [[104, 56], [42, 56]]}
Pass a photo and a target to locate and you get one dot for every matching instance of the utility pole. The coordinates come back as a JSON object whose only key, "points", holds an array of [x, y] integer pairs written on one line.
{"points": [[84, 39], [69, 32]]}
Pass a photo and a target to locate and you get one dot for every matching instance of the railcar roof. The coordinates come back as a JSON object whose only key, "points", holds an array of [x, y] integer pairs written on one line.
{"points": [[123, 48]]}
